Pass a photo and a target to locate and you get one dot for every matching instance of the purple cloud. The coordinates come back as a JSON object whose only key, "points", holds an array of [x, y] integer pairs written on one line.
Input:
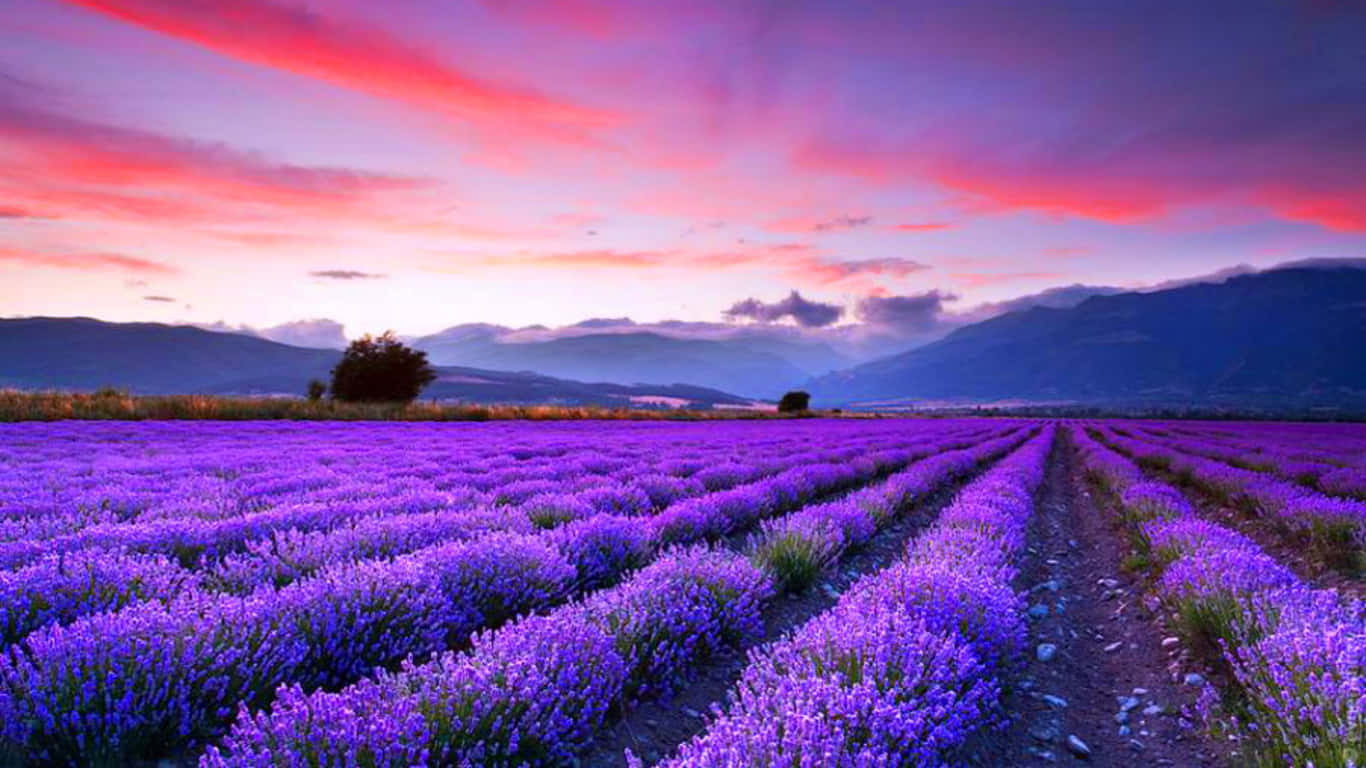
{"points": [[346, 274], [917, 312], [802, 311]]}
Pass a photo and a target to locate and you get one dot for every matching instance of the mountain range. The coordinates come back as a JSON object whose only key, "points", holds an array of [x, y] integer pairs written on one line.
{"points": [[150, 358], [1289, 337], [1292, 337], [753, 364]]}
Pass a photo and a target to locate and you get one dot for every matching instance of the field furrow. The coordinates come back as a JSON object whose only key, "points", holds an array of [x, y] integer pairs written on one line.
{"points": [[1096, 669], [1289, 658]]}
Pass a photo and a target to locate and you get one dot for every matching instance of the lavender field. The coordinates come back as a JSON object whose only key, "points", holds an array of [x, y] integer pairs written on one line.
{"points": [[812, 592]]}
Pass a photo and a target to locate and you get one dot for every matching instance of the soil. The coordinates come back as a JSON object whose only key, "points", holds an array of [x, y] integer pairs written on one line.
{"points": [[1111, 650], [652, 730]]}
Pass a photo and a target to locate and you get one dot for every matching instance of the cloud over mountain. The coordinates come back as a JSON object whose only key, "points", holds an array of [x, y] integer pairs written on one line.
{"points": [[802, 311]]}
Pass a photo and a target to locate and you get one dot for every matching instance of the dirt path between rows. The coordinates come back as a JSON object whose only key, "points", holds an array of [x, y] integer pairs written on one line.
{"points": [[652, 730], [1104, 684]]}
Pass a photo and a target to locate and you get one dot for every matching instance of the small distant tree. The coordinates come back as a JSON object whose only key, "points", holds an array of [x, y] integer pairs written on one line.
{"points": [[381, 369], [794, 402], [316, 389]]}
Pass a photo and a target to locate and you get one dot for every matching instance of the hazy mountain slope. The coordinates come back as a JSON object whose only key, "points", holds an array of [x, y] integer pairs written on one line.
{"points": [[150, 358], [746, 364], [81, 353], [1292, 336]]}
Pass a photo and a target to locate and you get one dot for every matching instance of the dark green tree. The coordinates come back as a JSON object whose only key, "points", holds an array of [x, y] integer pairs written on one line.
{"points": [[794, 402], [381, 369], [316, 389]]}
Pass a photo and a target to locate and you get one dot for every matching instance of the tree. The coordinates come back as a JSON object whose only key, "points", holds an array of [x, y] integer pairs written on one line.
{"points": [[316, 390], [381, 369], [794, 401]]}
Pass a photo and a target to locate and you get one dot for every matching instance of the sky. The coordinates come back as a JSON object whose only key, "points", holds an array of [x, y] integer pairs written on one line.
{"points": [[417, 164]]}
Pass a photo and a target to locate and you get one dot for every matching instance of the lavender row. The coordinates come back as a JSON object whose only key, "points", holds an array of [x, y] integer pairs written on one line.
{"points": [[1297, 654], [284, 494], [906, 666], [1333, 461], [62, 587], [1335, 464], [1326, 473], [321, 632], [214, 472], [1335, 527], [1288, 465], [1339, 444], [288, 555], [797, 548], [531, 694], [534, 692], [195, 540]]}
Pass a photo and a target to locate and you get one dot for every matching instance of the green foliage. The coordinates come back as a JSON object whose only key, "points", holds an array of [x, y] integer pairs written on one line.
{"points": [[795, 559], [316, 390], [1335, 542], [1136, 562], [794, 402], [381, 370]]}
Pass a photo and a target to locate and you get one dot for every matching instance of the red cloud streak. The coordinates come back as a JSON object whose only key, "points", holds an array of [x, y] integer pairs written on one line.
{"points": [[86, 261], [1129, 188], [94, 170], [354, 56]]}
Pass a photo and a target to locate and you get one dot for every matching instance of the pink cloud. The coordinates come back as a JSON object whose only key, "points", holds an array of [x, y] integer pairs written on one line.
{"points": [[351, 55], [819, 224], [800, 263], [1139, 184], [923, 227], [91, 168], [86, 261]]}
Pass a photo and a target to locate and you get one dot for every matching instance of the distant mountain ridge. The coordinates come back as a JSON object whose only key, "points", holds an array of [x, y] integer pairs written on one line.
{"points": [[1290, 337], [746, 363], [84, 354], [1293, 337]]}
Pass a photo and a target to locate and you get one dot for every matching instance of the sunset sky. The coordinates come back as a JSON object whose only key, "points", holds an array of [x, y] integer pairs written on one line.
{"points": [[414, 164]]}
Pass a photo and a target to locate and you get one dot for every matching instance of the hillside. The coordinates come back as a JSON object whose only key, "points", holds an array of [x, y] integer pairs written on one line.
{"points": [[1290, 337], [754, 365], [148, 358]]}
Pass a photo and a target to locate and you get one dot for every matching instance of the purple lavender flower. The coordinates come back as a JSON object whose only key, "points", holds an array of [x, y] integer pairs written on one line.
{"points": [[116, 688], [604, 547], [62, 587]]}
